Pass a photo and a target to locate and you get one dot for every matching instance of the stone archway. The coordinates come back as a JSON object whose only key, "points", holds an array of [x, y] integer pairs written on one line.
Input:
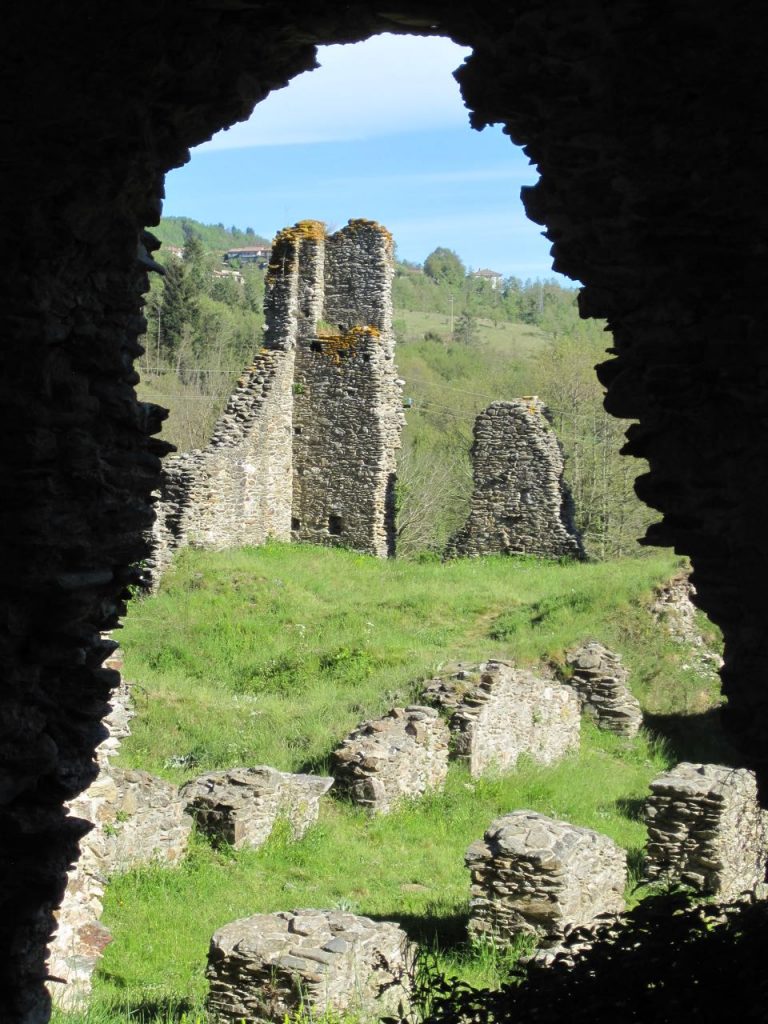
{"points": [[648, 128]]}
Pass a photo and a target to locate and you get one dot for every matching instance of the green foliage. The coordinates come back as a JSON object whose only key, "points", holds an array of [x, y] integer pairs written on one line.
{"points": [[445, 267], [271, 655], [215, 237]]}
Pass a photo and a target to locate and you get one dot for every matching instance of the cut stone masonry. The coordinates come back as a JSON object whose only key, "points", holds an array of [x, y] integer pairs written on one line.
{"points": [[402, 755], [498, 712], [240, 806], [269, 967], [707, 830], [600, 680], [305, 448], [533, 874], [520, 503]]}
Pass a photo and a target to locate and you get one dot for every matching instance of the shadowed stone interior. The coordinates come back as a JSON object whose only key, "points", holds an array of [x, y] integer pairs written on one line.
{"points": [[644, 122]]}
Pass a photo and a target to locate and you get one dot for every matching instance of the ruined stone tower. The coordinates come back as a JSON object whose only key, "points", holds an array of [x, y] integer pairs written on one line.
{"points": [[305, 448], [520, 502]]}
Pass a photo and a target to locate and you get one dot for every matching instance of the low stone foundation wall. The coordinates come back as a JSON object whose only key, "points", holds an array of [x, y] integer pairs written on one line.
{"points": [[537, 875], [404, 754], [241, 806], [136, 819], [707, 830], [498, 712], [600, 680], [269, 966]]}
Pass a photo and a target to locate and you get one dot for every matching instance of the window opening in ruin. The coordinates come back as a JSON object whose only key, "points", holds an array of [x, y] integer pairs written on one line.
{"points": [[295, 523], [335, 526]]}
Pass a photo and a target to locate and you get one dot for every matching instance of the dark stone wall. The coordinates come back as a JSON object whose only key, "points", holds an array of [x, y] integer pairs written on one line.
{"points": [[648, 125]]}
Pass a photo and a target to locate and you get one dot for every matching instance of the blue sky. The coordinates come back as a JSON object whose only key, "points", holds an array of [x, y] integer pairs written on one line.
{"points": [[378, 131]]}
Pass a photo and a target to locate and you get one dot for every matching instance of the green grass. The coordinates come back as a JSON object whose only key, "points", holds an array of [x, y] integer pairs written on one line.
{"points": [[272, 655]]}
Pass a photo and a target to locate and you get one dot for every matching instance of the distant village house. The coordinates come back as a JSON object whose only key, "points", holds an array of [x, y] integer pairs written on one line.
{"points": [[258, 254], [493, 278]]}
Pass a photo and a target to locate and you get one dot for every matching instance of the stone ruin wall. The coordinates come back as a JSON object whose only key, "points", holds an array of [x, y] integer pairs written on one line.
{"points": [[137, 819], [348, 399], [240, 806], [707, 830], [520, 502], [400, 756], [273, 967], [305, 448], [533, 874], [498, 712], [600, 682]]}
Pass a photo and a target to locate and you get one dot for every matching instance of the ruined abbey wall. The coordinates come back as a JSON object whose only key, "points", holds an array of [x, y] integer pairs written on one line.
{"points": [[520, 501], [305, 448]]}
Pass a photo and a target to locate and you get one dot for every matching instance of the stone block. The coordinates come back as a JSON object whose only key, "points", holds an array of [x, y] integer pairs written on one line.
{"points": [[600, 680], [269, 966], [533, 874], [404, 754], [498, 712], [707, 830], [240, 806]]}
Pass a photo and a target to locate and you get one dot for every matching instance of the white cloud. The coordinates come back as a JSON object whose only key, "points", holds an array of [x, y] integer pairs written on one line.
{"points": [[386, 85]]}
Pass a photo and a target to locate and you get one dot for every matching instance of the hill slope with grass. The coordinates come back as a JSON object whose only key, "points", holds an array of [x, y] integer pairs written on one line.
{"points": [[272, 655]]}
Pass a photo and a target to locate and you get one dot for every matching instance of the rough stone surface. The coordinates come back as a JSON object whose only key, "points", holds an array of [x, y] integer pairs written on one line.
{"points": [[305, 448], [267, 967], [537, 875], [240, 806], [600, 680], [520, 502], [674, 608], [707, 830], [404, 754], [615, 103], [134, 819], [498, 712]]}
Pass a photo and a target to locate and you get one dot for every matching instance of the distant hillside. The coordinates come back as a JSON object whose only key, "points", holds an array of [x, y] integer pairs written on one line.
{"points": [[215, 237]]}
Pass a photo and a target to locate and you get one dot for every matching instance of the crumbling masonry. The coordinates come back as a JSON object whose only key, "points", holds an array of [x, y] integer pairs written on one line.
{"points": [[520, 502], [305, 448]]}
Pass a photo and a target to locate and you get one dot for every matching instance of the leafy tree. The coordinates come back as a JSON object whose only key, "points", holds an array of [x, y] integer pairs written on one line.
{"points": [[465, 331], [445, 267], [178, 309]]}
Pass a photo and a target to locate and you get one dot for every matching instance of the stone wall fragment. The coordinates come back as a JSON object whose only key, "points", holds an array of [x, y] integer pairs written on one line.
{"points": [[600, 680], [520, 502], [402, 755], [270, 966], [498, 712], [240, 806], [533, 874], [707, 830]]}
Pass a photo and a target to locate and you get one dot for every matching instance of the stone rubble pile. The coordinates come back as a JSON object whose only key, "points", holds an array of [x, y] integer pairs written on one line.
{"points": [[402, 755], [520, 503], [498, 712], [270, 966], [706, 829], [533, 874], [600, 680], [241, 805]]}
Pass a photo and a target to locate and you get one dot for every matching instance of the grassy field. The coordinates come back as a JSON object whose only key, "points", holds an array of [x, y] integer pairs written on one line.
{"points": [[272, 655]]}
